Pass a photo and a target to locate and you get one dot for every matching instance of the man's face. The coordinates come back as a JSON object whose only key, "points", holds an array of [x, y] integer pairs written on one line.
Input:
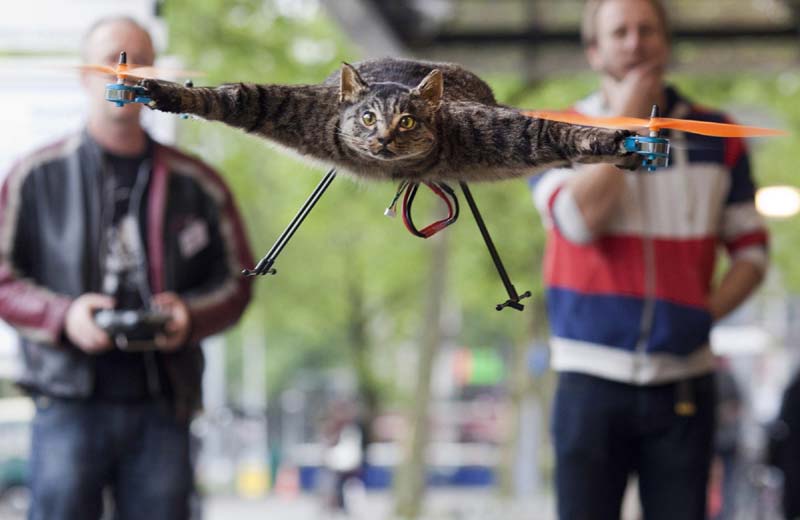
{"points": [[103, 47], [629, 34]]}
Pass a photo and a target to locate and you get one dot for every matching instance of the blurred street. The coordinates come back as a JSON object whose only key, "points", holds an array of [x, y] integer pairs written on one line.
{"points": [[449, 504], [462, 504]]}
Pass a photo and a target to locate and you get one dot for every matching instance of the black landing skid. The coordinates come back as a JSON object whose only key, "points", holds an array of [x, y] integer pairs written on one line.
{"points": [[265, 265]]}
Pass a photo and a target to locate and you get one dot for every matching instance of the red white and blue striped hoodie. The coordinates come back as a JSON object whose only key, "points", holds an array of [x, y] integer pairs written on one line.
{"points": [[632, 305]]}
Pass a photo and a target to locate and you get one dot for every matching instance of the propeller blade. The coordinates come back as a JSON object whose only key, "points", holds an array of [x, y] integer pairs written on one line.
{"points": [[713, 129], [143, 71], [580, 119], [117, 70], [160, 72], [102, 69], [656, 123]]}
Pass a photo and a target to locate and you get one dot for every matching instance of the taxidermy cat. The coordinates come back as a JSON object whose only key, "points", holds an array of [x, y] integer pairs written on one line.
{"points": [[391, 119]]}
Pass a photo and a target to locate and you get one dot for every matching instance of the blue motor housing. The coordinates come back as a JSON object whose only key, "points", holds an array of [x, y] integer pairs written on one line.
{"points": [[121, 94], [654, 150]]}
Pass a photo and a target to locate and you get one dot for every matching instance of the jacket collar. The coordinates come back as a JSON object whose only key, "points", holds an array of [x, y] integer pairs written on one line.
{"points": [[96, 151]]}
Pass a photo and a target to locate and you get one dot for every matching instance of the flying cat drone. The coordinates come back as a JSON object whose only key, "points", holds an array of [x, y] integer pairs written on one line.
{"points": [[653, 149], [392, 119]]}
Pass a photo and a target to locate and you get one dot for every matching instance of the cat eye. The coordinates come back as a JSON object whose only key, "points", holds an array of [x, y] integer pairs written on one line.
{"points": [[368, 118], [407, 122]]}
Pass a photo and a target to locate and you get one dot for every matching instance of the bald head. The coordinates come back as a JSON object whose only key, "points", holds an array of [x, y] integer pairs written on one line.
{"points": [[101, 45], [107, 37]]}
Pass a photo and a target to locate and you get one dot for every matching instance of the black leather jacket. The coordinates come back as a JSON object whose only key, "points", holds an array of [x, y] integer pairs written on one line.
{"points": [[50, 225]]}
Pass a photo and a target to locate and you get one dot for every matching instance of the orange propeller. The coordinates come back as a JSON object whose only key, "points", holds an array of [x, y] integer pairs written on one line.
{"points": [[657, 123], [124, 70]]}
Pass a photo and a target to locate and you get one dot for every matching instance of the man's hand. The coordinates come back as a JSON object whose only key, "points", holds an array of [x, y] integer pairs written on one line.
{"points": [[79, 325], [176, 331], [634, 95]]}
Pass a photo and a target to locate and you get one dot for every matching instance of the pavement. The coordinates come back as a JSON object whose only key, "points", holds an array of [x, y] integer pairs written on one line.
{"points": [[440, 504]]}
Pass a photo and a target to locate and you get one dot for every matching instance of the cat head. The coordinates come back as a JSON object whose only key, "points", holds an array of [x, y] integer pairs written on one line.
{"points": [[389, 121]]}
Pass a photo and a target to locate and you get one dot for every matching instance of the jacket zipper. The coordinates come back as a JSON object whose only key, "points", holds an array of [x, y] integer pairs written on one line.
{"points": [[648, 247], [146, 294], [649, 305]]}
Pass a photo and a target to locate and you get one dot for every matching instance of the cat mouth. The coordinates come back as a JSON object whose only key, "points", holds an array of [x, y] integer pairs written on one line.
{"points": [[385, 154], [388, 155]]}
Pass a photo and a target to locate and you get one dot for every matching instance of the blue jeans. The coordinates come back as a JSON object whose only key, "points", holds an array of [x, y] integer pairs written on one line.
{"points": [[139, 451], [604, 431]]}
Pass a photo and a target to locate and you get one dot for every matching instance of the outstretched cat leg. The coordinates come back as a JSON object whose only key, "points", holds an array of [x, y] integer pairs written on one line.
{"points": [[470, 141], [591, 145], [295, 116], [494, 143]]}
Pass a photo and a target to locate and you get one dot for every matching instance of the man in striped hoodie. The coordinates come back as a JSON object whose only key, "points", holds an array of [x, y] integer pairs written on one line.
{"points": [[628, 268]]}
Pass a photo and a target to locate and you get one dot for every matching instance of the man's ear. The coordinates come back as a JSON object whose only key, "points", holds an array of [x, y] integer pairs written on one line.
{"points": [[431, 89], [351, 86]]}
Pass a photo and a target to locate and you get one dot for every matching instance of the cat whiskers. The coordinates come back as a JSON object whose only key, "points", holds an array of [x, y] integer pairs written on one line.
{"points": [[402, 155], [352, 140], [361, 146]]}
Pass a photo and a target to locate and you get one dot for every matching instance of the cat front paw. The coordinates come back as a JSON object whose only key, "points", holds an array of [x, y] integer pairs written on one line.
{"points": [[627, 160], [620, 136], [632, 162], [164, 95]]}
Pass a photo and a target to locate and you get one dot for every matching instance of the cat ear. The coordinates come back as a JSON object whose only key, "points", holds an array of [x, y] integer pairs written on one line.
{"points": [[431, 89], [351, 86]]}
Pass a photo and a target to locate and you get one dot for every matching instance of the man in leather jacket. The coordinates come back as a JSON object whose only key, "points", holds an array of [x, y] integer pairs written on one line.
{"points": [[106, 219]]}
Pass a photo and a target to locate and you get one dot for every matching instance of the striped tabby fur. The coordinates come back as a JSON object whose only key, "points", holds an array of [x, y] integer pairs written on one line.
{"points": [[358, 119]]}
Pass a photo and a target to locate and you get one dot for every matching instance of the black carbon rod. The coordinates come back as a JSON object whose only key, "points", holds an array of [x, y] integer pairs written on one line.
{"points": [[513, 297], [264, 266]]}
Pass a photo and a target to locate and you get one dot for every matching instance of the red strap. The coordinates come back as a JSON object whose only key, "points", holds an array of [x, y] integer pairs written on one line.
{"points": [[435, 227]]}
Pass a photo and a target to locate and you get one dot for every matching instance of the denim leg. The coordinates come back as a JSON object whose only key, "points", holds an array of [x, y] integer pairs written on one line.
{"points": [[676, 453], [155, 477], [593, 450], [69, 461]]}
